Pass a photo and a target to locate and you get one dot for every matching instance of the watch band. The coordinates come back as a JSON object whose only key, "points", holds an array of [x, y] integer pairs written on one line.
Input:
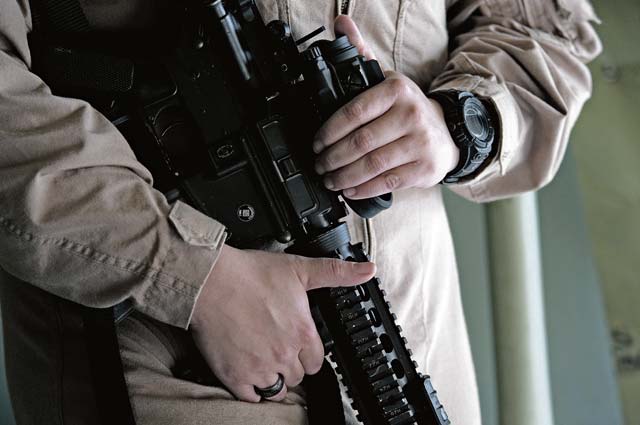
{"points": [[473, 125]]}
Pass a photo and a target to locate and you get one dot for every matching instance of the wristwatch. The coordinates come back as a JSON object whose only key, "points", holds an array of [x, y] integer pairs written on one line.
{"points": [[474, 126]]}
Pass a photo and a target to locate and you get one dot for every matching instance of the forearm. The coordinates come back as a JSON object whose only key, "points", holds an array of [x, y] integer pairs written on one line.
{"points": [[532, 65], [80, 217]]}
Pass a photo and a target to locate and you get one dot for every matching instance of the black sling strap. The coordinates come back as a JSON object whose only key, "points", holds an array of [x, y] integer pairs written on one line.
{"points": [[107, 374], [324, 400]]}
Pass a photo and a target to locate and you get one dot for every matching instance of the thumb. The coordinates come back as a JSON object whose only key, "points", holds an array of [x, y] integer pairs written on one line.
{"points": [[344, 25], [317, 273]]}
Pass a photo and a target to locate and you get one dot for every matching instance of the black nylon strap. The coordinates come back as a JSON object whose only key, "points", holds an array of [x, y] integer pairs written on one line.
{"points": [[324, 401], [58, 16], [107, 374]]}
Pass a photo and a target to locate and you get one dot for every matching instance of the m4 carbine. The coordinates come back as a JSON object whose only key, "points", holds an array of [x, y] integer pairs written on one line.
{"points": [[224, 119]]}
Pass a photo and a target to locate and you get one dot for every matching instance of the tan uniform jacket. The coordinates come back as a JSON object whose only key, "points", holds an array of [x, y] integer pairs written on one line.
{"points": [[79, 216]]}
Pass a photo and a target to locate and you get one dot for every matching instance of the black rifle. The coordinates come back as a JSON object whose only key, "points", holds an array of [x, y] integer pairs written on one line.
{"points": [[225, 120]]}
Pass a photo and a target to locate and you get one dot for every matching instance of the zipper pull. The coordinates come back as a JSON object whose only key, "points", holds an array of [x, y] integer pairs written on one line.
{"points": [[344, 7]]}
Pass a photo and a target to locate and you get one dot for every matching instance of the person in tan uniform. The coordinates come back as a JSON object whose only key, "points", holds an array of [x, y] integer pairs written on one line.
{"points": [[81, 220]]}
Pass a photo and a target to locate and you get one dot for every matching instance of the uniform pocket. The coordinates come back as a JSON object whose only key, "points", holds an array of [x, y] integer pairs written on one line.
{"points": [[194, 227]]}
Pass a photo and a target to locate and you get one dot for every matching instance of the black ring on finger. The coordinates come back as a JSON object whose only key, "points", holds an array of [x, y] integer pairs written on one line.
{"points": [[273, 390]]}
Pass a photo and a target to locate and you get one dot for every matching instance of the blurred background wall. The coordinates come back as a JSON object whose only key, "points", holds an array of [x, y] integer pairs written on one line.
{"points": [[607, 152], [582, 375], [590, 242]]}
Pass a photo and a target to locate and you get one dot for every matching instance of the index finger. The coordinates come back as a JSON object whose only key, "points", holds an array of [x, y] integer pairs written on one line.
{"points": [[317, 273], [364, 108]]}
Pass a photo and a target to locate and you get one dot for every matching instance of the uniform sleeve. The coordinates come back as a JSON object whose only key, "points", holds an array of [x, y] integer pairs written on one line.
{"points": [[529, 57], [79, 217]]}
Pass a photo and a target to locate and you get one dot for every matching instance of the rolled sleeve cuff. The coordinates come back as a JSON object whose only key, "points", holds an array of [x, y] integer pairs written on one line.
{"points": [[509, 141], [194, 249]]}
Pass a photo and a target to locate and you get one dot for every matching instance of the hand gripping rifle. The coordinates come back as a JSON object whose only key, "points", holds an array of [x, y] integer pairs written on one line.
{"points": [[225, 121]]}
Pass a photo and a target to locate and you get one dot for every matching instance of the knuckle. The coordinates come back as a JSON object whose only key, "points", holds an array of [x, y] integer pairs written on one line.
{"points": [[362, 140], [414, 113], [254, 361], [392, 181], [282, 354], [399, 86], [428, 168], [354, 110], [330, 162], [376, 163], [232, 375], [308, 333]]}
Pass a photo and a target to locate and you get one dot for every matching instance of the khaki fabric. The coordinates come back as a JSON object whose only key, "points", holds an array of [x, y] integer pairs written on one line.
{"points": [[152, 351], [81, 219]]}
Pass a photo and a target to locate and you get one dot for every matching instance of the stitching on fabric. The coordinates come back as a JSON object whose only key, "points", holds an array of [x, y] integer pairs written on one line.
{"points": [[398, 40], [90, 254], [150, 306]]}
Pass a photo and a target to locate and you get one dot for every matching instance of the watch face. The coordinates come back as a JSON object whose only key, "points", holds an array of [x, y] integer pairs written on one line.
{"points": [[475, 119]]}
